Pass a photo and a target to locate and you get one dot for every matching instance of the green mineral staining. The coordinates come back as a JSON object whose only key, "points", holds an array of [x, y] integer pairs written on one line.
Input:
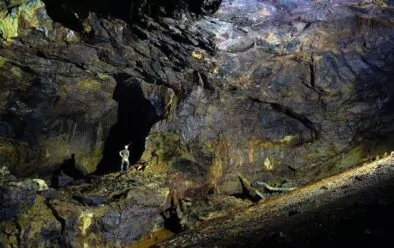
{"points": [[25, 16], [8, 26], [2, 61]]}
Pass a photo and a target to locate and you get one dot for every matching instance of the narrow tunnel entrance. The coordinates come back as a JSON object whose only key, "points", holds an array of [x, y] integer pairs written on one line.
{"points": [[136, 116]]}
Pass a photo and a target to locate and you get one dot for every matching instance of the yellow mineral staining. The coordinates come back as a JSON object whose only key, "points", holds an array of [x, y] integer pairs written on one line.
{"points": [[37, 218], [47, 153], [80, 87], [103, 76], [59, 148], [317, 58], [7, 148], [268, 164], [41, 184], [272, 39], [197, 55], [56, 148], [251, 153], [10, 154], [9, 226], [28, 13], [88, 162], [18, 73], [350, 159], [221, 159], [85, 220], [2, 61], [153, 239], [161, 149], [8, 26], [172, 103], [88, 84], [24, 17], [63, 91], [215, 69], [256, 143], [287, 139], [87, 27]]}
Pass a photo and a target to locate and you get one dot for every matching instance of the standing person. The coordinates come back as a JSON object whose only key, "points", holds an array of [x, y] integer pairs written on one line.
{"points": [[124, 154]]}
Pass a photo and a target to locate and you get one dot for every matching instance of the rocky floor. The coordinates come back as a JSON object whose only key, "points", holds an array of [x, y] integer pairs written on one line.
{"points": [[354, 208], [140, 209]]}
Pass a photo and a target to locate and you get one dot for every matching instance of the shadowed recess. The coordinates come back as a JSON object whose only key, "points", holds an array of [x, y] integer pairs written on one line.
{"points": [[72, 12], [136, 115]]}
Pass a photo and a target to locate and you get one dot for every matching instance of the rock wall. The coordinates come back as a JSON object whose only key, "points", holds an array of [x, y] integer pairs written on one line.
{"points": [[265, 88], [295, 91]]}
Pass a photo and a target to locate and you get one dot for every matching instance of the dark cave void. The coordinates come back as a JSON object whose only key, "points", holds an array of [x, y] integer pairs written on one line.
{"points": [[72, 12], [136, 116]]}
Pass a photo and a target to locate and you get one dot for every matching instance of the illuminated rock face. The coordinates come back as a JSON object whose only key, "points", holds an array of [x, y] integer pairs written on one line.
{"points": [[280, 91], [288, 95]]}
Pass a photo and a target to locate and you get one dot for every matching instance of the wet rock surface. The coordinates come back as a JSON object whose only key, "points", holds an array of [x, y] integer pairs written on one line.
{"points": [[284, 92]]}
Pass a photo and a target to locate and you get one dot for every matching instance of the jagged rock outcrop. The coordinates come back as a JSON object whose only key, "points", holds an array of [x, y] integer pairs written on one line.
{"points": [[280, 91], [108, 211]]}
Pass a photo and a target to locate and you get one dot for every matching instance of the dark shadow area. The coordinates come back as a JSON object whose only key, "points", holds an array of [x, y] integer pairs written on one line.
{"points": [[366, 223], [174, 217], [171, 221], [375, 88], [71, 13], [136, 115], [67, 173]]}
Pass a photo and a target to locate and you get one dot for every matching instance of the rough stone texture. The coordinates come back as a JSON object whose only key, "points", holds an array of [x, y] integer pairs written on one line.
{"points": [[259, 87], [114, 210], [296, 90], [88, 214], [15, 199], [281, 91], [352, 208]]}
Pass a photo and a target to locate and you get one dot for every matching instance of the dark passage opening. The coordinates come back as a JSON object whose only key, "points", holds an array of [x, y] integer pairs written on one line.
{"points": [[71, 13], [136, 115]]}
